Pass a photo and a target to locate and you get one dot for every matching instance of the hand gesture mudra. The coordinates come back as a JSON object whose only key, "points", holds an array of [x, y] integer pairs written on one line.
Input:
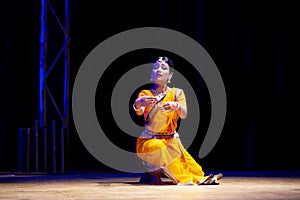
{"points": [[169, 106], [145, 101]]}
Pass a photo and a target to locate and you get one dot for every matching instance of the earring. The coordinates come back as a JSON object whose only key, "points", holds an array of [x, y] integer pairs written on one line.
{"points": [[169, 80]]}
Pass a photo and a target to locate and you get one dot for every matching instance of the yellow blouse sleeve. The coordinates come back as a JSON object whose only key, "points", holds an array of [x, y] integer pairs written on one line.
{"points": [[181, 99]]}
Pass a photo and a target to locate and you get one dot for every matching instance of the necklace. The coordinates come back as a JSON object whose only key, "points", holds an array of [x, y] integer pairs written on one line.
{"points": [[159, 94]]}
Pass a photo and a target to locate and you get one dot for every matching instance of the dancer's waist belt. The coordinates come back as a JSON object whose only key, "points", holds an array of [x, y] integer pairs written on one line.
{"points": [[149, 134]]}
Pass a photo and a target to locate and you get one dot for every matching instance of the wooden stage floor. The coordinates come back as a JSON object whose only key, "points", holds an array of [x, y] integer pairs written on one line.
{"points": [[109, 186]]}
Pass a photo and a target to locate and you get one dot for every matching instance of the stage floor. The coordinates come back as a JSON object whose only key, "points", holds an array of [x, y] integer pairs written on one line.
{"points": [[109, 186]]}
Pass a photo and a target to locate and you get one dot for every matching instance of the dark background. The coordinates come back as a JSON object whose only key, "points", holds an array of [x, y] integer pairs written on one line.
{"points": [[255, 45]]}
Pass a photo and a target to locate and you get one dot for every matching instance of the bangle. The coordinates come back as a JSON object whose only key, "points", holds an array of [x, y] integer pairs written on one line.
{"points": [[137, 109]]}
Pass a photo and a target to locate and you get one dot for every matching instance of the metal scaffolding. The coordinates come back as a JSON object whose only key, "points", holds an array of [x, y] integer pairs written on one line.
{"points": [[45, 90]]}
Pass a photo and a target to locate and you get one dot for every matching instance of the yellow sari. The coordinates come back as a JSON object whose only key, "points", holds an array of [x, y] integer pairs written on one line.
{"points": [[167, 151]]}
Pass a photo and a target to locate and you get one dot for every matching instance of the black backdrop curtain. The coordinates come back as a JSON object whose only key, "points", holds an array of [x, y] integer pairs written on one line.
{"points": [[253, 43]]}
